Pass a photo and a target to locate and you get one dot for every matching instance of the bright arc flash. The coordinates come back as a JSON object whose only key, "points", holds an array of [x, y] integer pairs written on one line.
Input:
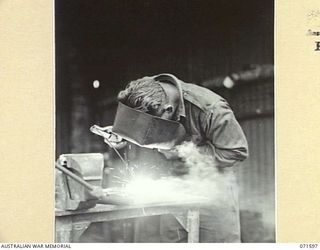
{"points": [[145, 190]]}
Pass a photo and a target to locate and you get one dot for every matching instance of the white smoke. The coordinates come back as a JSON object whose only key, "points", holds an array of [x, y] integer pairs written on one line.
{"points": [[204, 177], [203, 181], [201, 166]]}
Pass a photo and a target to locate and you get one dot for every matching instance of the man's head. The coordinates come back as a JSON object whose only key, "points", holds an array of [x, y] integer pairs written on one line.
{"points": [[160, 99]]}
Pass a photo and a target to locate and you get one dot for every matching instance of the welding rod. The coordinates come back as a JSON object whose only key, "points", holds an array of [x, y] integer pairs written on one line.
{"points": [[116, 150], [73, 176]]}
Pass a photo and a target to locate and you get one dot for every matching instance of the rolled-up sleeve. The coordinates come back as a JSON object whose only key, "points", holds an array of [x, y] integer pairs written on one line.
{"points": [[225, 139]]}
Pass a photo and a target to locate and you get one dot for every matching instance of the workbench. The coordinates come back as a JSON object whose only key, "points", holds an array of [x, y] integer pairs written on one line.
{"points": [[71, 224]]}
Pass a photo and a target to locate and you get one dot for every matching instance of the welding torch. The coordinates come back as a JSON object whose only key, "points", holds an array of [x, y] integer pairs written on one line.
{"points": [[106, 133]]}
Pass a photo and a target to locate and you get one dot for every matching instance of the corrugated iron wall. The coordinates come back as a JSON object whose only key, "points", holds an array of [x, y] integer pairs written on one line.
{"points": [[253, 104], [256, 179]]}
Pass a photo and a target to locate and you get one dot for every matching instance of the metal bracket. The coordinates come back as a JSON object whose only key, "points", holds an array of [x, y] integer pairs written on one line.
{"points": [[182, 219], [78, 229]]}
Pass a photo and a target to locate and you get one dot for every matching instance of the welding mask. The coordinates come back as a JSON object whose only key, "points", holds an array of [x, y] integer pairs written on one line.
{"points": [[146, 130]]}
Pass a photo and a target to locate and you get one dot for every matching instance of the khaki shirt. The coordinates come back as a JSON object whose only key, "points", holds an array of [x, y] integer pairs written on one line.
{"points": [[209, 122]]}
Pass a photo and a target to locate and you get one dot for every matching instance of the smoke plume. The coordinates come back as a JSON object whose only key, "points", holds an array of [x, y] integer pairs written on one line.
{"points": [[203, 182]]}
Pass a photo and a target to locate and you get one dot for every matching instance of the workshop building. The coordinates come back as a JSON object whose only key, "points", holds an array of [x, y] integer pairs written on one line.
{"points": [[102, 45]]}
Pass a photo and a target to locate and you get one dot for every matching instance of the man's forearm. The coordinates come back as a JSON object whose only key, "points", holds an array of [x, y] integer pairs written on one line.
{"points": [[224, 157]]}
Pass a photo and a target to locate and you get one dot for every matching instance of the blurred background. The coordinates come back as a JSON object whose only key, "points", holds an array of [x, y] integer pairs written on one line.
{"points": [[101, 45]]}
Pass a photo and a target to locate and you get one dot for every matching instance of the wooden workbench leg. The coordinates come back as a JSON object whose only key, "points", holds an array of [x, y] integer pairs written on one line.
{"points": [[63, 228], [136, 230], [193, 224]]}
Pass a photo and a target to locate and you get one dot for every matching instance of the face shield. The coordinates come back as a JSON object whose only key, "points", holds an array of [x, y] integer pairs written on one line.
{"points": [[146, 130]]}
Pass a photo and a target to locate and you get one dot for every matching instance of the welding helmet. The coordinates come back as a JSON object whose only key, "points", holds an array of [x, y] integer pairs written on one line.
{"points": [[146, 130]]}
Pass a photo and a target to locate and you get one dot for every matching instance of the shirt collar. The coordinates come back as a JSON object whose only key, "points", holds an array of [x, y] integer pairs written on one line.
{"points": [[174, 80]]}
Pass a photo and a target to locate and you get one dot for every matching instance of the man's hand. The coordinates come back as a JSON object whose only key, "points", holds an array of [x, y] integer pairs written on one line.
{"points": [[179, 167], [177, 164]]}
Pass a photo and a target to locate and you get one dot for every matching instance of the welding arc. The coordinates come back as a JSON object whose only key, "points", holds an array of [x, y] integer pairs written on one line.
{"points": [[73, 176]]}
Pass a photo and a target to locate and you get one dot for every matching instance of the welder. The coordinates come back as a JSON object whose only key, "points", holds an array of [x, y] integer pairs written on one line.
{"points": [[209, 123]]}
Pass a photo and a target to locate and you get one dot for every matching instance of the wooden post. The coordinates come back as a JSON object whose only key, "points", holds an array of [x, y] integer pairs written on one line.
{"points": [[63, 227], [193, 223]]}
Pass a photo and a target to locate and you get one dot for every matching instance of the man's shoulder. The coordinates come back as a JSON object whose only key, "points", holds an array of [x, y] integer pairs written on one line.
{"points": [[202, 97]]}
